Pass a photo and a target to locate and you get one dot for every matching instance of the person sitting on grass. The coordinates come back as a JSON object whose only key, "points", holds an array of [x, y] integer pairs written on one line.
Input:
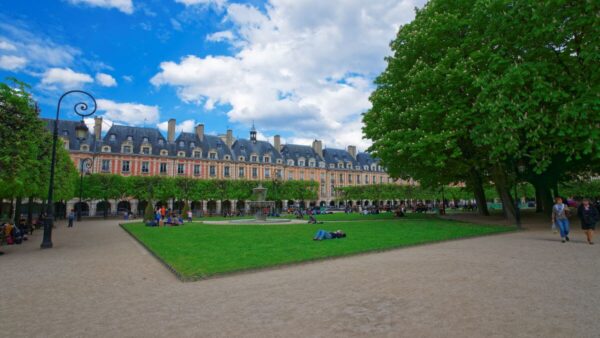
{"points": [[180, 220], [313, 220], [322, 234]]}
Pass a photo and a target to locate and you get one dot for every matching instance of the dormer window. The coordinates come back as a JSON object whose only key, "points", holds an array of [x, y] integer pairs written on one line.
{"points": [[301, 163], [341, 165], [113, 137], [266, 159], [146, 150], [161, 141], [145, 140], [357, 167], [65, 133], [127, 149], [322, 164], [192, 144], [106, 149], [241, 158], [227, 157], [164, 152], [181, 144], [378, 168], [181, 154], [290, 162], [311, 163], [348, 165], [129, 138], [212, 155], [279, 161], [254, 158], [85, 147], [331, 165], [197, 154]]}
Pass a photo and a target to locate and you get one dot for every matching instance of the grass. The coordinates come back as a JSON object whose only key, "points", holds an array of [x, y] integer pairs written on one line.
{"points": [[200, 250], [340, 216]]}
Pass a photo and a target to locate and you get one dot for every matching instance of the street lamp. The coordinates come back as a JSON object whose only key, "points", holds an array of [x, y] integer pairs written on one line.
{"points": [[80, 109], [86, 165]]}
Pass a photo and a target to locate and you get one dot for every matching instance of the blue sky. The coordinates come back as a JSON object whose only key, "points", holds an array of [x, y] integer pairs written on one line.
{"points": [[299, 68]]}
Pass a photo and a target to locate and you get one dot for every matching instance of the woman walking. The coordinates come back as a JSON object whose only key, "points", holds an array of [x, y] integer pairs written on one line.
{"points": [[588, 215], [560, 218]]}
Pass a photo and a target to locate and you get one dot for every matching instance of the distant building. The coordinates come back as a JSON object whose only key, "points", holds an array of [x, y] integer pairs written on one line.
{"points": [[127, 150]]}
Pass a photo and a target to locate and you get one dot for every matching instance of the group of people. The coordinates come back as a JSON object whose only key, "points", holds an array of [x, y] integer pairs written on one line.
{"points": [[167, 217], [587, 213], [11, 233]]}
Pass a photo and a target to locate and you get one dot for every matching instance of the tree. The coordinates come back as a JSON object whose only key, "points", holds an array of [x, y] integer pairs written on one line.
{"points": [[104, 187]]}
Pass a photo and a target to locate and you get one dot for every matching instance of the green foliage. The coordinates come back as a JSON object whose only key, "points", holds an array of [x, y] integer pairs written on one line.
{"points": [[148, 212]]}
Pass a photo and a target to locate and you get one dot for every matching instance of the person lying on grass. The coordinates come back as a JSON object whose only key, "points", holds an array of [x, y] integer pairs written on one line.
{"points": [[322, 234]]}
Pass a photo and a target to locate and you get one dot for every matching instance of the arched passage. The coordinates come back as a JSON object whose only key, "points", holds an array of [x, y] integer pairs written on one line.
{"points": [[85, 208], [123, 206], [240, 206], [141, 208], [212, 207], [322, 204], [226, 207], [332, 204], [102, 208], [60, 210]]}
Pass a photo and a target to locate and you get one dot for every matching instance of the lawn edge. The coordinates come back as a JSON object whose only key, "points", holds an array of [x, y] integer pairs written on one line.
{"points": [[186, 279]]}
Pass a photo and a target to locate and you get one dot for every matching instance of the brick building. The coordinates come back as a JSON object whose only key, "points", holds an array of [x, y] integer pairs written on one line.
{"points": [[127, 150]]}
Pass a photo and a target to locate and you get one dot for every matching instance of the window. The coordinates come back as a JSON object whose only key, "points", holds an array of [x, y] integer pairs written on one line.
{"points": [[145, 167], [181, 154], [301, 163], [127, 149], [279, 161], [85, 147], [146, 150], [125, 167], [322, 177], [322, 164], [331, 165], [348, 165], [227, 157], [212, 170], [254, 158], [241, 159], [181, 144], [197, 171], [163, 168], [290, 162], [341, 165], [226, 171], [366, 167], [180, 168], [380, 179], [349, 178], [302, 175], [312, 176], [145, 140], [129, 138], [192, 144], [212, 156], [254, 172], [105, 165], [266, 159], [378, 168], [358, 179], [164, 152], [106, 149], [112, 137], [341, 178], [241, 172], [311, 163], [161, 142], [374, 179], [279, 173], [366, 179], [197, 154], [290, 175], [267, 173]]}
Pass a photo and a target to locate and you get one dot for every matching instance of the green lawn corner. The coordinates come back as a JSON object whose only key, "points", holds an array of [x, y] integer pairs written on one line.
{"points": [[199, 250]]}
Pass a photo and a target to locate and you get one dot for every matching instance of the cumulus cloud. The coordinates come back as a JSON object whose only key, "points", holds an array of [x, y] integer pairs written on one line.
{"points": [[64, 78], [125, 6], [12, 62], [302, 66], [4, 45], [128, 113], [106, 80], [185, 126]]}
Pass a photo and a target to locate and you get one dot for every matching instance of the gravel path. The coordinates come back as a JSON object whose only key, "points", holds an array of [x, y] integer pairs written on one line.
{"points": [[98, 282]]}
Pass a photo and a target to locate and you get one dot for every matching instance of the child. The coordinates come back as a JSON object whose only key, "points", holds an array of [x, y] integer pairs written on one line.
{"points": [[560, 214]]}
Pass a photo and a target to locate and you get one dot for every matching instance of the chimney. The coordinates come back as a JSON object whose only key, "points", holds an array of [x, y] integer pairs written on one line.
{"points": [[229, 138], [277, 142], [171, 131], [200, 131], [98, 128], [318, 147], [352, 151]]}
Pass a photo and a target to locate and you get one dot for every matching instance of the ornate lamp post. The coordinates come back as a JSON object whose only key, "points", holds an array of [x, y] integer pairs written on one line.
{"points": [[81, 130], [85, 166]]}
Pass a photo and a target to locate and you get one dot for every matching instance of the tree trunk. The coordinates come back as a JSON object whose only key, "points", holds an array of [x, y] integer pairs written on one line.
{"points": [[17, 215], [543, 194], [503, 187], [476, 184], [539, 208], [30, 211]]}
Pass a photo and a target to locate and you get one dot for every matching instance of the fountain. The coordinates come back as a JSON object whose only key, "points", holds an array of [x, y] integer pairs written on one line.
{"points": [[261, 208]]}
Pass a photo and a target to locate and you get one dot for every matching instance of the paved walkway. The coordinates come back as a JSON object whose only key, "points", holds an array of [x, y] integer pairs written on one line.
{"points": [[98, 282]]}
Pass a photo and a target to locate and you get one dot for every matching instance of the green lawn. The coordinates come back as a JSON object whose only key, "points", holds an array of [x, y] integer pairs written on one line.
{"points": [[201, 250], [340, 216]]}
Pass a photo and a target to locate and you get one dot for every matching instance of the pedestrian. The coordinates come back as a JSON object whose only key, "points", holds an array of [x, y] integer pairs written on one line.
{"points": [[71, 218], [560, 217], [189, 215], [588, 215]]}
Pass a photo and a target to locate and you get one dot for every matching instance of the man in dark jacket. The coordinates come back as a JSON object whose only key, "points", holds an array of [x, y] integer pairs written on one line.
{"points": [[588, 214]]}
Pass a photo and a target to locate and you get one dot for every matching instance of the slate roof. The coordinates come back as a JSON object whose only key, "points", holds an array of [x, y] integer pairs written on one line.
{"points": [[137, 134], [66, 129], [366, 159], [336, 155], [295, 152], [207, 144], [245, 148]]}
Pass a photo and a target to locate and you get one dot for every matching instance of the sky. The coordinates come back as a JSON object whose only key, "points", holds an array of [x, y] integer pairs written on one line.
{"points": [[302, 69]]}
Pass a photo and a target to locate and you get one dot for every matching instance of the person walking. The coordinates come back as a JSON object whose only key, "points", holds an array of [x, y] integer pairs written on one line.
{"points": [[71, 218], [588, 215], [560, 217]]}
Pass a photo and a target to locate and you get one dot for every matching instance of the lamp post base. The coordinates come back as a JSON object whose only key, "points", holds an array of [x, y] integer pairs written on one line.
{"points": [[46, 245]]}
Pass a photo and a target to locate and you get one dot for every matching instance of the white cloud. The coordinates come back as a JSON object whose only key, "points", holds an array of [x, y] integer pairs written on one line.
{"points": [[125, 6], [186, 126], [303, 66], [128, 113], [7, 46], [106, 80], [128, 78], [11, 62], [220, 36], [65, 78], [218, 3], [176, 24]]}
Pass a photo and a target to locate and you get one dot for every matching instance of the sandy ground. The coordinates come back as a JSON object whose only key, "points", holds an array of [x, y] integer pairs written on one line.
{"points": [[98, 282]]}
